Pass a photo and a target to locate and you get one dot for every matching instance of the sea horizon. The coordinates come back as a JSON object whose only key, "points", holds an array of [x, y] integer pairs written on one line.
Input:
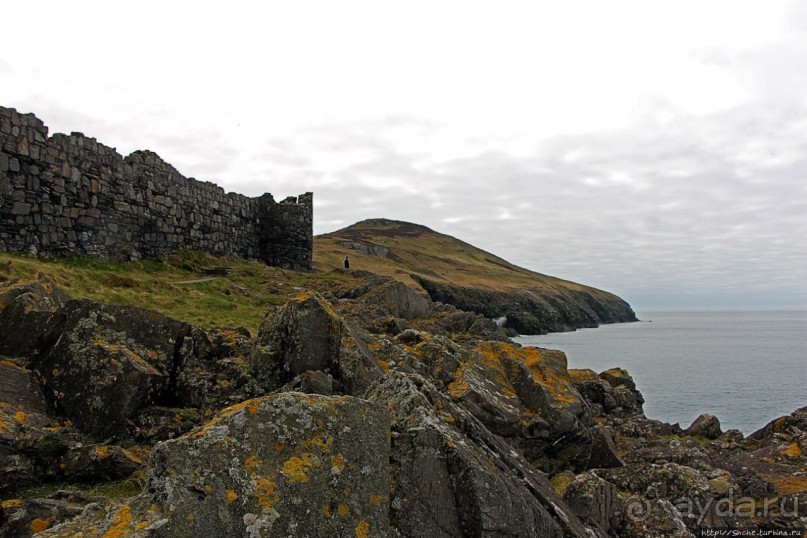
{"points": [[745, 366]]}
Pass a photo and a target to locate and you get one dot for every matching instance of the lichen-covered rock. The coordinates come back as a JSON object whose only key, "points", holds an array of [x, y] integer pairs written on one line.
{"points": [[617, 399], [526, 396], [452, 477], [285, 465], [707, 426], [96, 463], [22, 518], [110, 362], [596, 502], [24, 419], [304, 334], [25, 311], [399, 300]]}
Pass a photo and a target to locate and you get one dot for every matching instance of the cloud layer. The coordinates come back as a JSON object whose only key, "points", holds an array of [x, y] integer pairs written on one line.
{"points": [[654, 150]]}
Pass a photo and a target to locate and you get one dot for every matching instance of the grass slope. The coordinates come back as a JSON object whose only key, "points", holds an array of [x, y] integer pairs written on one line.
{"points": [[170, 286]]}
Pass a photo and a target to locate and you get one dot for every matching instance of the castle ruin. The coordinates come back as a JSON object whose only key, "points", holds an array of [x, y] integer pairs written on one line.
{"points": [[70, 195]]}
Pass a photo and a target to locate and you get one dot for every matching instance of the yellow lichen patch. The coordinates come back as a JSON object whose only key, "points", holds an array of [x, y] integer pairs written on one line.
{"points": [[326, 510], [265, 492], [278, 446], [208, 489], [20, 417], [102, 452], [793, 450], [324, 445], [362, 529], [189, 518], [3, 426], [11, 503], [231, 495], [546, 368], [383, 364], [376, 500], [123, 518], [250, 405], [787, 484], [583, 374], [459, 387], [251, 462], [338, 462], [55, 372], [296, 468], [39, 525], [343, 510]]}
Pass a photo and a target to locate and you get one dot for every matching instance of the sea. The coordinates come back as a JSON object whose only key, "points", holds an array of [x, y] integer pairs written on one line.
{"points": [[745, 367]]}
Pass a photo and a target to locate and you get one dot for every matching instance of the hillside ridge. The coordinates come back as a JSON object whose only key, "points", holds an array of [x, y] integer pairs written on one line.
{"points": [[449, 270]]}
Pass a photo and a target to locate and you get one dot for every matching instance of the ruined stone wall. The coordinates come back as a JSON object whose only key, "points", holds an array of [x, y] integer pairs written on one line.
{"points": [[72, 195]]}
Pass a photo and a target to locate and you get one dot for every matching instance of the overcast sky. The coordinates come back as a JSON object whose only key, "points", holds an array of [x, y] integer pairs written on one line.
{"points": [[653, 149]]}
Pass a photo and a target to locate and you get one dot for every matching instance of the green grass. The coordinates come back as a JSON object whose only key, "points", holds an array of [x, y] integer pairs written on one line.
{"points": [[118, 489], [239, 299]]}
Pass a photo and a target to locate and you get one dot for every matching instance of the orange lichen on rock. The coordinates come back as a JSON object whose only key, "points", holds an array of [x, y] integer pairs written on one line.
{"points": [[231, 495], [343, 510], [362, 529], [251, 462], [376, 500], [265, 492], [338, 462], [120, 524], [296, 468], [546, 367], [39, 525], [793, 450], [324, 445], [11, 503]]}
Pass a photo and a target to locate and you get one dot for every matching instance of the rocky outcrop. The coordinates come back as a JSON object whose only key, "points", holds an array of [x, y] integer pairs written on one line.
{"points": [[303, 335], [290, 464], [707, 426], [102, 348], [25, 311], [320, 426], [452, 477]]}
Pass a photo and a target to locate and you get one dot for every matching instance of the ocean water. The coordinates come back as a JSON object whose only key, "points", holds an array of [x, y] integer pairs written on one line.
{"points": [[745, 367]]}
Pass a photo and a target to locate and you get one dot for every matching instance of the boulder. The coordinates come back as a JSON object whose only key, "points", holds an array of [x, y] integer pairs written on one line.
{"points": [[110, 362], [24, 420], [398, 300], [614, 398], [26, 310], [304, 334], [452, 477], [98, 463], [290, 464], [707, 426], [22, 518], [596, 502]]}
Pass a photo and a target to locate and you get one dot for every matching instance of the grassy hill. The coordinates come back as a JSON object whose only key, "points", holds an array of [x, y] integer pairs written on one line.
{"points": [[452, 271]]}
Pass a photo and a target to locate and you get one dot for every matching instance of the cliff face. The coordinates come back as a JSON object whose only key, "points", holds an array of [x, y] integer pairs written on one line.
{"points": [[453, 272], [357, 410]]}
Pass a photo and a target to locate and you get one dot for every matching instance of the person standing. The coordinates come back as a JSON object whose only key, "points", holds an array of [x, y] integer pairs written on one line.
{"points": [[347, 262]]}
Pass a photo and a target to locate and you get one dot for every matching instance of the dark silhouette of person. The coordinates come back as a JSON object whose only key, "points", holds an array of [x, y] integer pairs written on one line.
{"points": [[347, 262]]}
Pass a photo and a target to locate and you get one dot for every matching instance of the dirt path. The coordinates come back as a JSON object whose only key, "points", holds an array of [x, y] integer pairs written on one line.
{"points": [[198, 280]]}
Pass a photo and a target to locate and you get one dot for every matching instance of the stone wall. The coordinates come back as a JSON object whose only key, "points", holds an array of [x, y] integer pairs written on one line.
{"points": [[72, 195]]}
